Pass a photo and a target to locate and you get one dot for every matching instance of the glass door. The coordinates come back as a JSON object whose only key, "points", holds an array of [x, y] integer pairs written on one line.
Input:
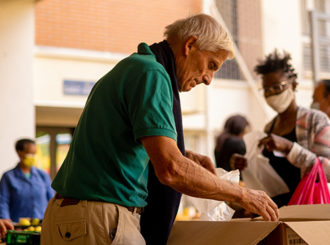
{"points": [[52, 147]]}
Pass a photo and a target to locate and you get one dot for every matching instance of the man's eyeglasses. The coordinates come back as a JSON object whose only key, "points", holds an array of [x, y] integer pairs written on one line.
{"points": [[275, 89]]}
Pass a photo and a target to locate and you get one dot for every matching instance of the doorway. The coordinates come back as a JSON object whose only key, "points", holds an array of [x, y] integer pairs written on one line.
{"points": [[52, 147]]}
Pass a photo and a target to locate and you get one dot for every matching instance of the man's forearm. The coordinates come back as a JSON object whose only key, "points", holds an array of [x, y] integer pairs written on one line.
{"points": [[188, 177], [194, 180]]}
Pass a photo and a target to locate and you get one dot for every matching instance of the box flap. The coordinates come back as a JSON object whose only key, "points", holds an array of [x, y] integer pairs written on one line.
{"points": [[313, 232], [215, 233], [305, 212]]}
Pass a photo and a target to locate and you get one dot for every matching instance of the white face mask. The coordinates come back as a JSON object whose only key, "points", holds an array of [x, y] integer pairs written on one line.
{"points": [[280, 102]]}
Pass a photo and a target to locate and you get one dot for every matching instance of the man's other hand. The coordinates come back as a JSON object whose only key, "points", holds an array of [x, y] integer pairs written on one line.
{"points": [[202, 160]]}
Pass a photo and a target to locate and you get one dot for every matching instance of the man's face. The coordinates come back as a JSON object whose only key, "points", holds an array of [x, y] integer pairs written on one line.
{"points": [[318, 97], [198, 67]]}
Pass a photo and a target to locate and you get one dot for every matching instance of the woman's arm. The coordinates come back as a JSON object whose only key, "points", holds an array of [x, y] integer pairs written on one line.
{"points": [[304, 159], [313, 134], [4, 197]]}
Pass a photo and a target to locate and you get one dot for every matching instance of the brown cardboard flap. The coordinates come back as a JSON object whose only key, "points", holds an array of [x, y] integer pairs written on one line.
{"points": [[313, 232], [215, 233], [305, 212]]}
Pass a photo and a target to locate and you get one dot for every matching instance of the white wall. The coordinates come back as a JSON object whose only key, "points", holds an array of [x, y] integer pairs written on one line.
{"points": [[16, 80], [281, 27], [54, 65]]}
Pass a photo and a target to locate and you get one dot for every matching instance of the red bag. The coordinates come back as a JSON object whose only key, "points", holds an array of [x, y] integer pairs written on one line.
{"points": [[309, 191]]}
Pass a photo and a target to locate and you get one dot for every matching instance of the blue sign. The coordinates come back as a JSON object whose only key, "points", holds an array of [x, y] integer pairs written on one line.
{"points": [[71, 87]]}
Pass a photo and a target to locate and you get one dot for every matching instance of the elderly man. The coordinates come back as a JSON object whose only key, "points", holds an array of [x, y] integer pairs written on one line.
{"points": [[132, 116], [321, 97]]}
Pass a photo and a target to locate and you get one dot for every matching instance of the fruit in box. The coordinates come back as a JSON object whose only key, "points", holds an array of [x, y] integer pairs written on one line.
{"points": [[37, 229], [35, 221], [24, 221], [30, 228]]}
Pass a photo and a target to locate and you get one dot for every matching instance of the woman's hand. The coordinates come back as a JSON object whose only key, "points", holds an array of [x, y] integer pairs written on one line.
{"points": [[274, 142], [238, 161]]}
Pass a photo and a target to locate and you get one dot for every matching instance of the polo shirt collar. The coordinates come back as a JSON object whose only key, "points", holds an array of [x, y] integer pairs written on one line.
{"points": [[143, 48]]}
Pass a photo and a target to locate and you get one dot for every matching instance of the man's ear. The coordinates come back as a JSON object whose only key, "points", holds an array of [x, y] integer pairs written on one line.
{"points": [[188, 44]]}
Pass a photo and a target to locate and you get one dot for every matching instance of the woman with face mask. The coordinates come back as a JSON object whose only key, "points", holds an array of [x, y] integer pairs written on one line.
{"points": [[297, 135], [25, 190]]}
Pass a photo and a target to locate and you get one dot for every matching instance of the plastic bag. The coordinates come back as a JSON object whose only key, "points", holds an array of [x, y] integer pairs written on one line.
{"points": [[259, 174], [309, 191], [212, 210]]}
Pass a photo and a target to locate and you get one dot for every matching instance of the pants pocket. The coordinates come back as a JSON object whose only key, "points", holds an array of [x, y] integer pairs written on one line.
{"points": [[128, 229], [116, 233], [72, 230]]}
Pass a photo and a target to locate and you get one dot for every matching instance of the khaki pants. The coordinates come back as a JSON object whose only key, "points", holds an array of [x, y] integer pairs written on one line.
{"points": [[90, 222]]}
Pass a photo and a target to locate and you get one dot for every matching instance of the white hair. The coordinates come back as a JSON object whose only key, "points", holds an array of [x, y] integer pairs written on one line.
{"points": [[210, 34]]}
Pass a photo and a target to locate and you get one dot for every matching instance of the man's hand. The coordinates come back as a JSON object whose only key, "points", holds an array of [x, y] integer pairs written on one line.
{"points": [[238, 161], [259, 202], [274, 142], [203, 161], [4, 226]]}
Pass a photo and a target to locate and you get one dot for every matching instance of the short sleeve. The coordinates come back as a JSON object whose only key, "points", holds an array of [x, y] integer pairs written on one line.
{"points": [[150, 103]]}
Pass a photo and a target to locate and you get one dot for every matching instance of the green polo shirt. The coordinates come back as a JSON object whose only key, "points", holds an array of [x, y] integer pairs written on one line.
{"points": [[106, 160]]}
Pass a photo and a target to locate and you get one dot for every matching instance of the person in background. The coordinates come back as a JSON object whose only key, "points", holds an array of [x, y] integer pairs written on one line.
{"points": [[131, 116], [297, 135], [4, 226], [24, 190], [321, 97], [230, 141]]}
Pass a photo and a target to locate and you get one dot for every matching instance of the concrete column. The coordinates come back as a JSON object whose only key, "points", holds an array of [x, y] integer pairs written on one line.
{"points": [[16, 77]]}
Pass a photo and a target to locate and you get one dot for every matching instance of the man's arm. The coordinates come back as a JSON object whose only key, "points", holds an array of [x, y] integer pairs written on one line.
{"points": [[186, 176]]}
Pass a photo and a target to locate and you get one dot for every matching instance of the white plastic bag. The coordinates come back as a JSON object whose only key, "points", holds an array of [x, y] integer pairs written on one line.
{"points": [[259, 174], [212, 210]]}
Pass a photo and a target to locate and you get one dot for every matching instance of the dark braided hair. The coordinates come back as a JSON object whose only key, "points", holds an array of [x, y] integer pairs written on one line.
{"points": [[276, 62]]}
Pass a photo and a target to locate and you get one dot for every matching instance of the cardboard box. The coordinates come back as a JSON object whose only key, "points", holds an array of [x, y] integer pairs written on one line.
{"points": [[302, 224]]}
